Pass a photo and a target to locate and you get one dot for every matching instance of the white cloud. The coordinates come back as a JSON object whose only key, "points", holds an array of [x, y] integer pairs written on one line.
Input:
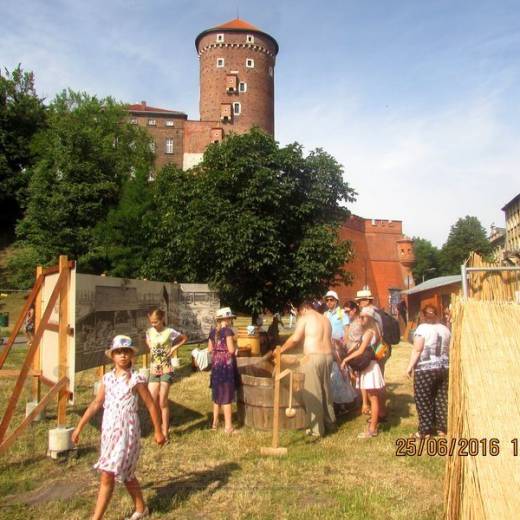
{"points": [[425, 169]]}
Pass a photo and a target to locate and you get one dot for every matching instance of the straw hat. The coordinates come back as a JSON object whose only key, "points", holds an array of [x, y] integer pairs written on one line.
{"points": [[119, 342], [332, 294], [364, 294], [223, 313]]}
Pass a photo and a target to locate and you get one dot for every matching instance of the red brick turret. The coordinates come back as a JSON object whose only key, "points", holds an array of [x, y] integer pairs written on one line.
{"points": [[237, 63]]}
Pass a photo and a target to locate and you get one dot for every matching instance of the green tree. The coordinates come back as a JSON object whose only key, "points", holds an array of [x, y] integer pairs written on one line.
{"points": [[258, 222], [122, 239], [427, 260], [466, 235], [84, 157], [22, 114]]}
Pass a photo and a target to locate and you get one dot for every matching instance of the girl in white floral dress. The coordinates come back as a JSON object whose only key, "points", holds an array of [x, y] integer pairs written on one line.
{"points": [[121, 431]]}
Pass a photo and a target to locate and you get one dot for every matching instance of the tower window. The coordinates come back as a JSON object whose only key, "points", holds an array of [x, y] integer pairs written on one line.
{"points": [[250, 63], [169, 122], [168, 145], [220, 38], [220, 62], [242, 87], [250, 38], [152, 122], [236, 108]]}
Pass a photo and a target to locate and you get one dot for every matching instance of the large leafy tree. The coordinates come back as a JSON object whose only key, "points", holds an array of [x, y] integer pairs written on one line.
{"points": [[257, 221], [466, 235], [84, 158], [121, 240], [22, 114], [427, 260]]}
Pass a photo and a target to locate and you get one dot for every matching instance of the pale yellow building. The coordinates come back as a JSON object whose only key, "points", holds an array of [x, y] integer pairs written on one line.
{"points": [[512, 215]]}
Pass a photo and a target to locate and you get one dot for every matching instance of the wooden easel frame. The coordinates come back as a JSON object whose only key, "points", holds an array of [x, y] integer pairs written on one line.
{"points": [[31, 364]]}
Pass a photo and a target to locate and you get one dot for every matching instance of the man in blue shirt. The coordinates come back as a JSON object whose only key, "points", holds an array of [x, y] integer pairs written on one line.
{"points": [[343, 394], [338, 318]]}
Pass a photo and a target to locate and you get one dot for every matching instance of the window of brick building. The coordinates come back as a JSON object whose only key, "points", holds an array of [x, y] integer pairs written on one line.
{"points": [[133, 121], [220, 62], [152, 146], [169, 145], [250, 63], [242, 87], [152, 122], [169, 123], [236, 108], [220, 38], [250, 38]]}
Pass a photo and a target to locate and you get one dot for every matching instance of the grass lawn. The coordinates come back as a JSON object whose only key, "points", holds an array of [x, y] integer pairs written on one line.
{"points": [[206, 475]]}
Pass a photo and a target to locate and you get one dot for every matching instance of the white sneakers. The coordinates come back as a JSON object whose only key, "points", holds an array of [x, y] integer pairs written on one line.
{"points": [[137, 516]]}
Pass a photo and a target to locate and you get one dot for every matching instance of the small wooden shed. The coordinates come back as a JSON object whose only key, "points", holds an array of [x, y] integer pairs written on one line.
{"points": [[436, 292]]}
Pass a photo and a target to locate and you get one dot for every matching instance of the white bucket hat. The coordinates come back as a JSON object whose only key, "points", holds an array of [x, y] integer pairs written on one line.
{"points": [[119, 342], [332, 294], [223, 313]]}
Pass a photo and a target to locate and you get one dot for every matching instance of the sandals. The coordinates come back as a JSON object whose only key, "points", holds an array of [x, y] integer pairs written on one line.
{"points": [[367, 434], [231, 431], [214, 427], [366, 410], [419, 435]]}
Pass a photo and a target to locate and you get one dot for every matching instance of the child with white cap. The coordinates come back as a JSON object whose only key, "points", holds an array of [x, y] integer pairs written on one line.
{"points": [[120, 432]]}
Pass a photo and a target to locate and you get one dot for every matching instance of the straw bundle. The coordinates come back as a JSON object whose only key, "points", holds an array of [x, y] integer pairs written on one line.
{"points": [[498, 286], [484, 403]]}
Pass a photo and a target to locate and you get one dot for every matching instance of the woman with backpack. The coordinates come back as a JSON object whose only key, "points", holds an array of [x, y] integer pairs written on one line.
{"points": [[369, 376]]}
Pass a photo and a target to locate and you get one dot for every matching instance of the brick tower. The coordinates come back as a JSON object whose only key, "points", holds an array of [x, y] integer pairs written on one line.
{"points": [[237, 63]]}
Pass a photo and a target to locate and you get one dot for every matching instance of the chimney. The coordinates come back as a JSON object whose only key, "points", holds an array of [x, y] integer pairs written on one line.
{"points": [[144, 104]]}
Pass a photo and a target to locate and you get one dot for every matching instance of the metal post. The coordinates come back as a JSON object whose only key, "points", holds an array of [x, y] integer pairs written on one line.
{"points": [[463, 272]]}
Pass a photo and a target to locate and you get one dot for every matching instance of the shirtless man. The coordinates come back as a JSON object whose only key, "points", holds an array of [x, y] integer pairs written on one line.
{"points": [[314, 330]]}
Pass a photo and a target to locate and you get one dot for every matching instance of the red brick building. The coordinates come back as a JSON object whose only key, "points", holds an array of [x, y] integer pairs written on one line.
{"points": [[383, 258], [237, 62]]}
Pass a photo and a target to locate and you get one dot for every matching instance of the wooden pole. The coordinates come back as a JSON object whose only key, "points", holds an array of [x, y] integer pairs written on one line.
{"points": [[275, 449], [36, 366], [63, 338], [276, 405], [29, 357]]}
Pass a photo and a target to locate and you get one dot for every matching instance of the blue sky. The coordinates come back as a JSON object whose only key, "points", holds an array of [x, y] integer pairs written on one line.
{"points": [[419, 100]]}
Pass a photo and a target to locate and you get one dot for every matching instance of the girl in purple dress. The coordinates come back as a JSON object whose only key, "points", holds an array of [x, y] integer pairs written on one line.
{"points": [[224, 372]]}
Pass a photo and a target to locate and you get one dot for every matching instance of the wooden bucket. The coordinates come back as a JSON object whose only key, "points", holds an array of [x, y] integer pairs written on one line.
{"points": [[244, 340], [256, 395]]}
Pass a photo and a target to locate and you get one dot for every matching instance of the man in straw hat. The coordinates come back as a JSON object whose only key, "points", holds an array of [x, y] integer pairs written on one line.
{"points": [[314, 331]]}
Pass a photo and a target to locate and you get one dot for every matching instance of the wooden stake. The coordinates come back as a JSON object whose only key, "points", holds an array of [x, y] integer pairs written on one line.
{"points": [[36, 384], [63, 337]]}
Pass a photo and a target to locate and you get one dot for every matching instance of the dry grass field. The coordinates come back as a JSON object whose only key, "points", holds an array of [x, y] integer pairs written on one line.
{"points": [[208, 475]]}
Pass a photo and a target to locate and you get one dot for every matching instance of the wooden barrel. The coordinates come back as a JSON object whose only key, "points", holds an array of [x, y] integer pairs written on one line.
{"points": [[256, 395], [251, 341]]}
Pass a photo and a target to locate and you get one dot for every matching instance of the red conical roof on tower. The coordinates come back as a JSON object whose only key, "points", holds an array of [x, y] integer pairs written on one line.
{"points": [[236, 25]]}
